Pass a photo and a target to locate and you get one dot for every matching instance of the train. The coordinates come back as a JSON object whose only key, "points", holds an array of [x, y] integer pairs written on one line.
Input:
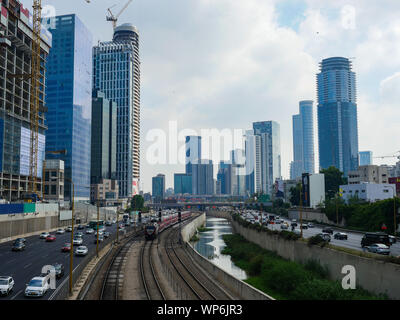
{"points": [[152, 230]]}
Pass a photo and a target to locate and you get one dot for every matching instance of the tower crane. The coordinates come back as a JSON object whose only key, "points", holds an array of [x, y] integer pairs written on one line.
{"points": [[114, 19], [393, 156]]}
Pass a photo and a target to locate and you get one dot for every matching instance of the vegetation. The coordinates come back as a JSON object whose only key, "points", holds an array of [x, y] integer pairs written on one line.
{"points": [[137, 202], [333, 179], [203, 229], [284, 279], [194, 238]]}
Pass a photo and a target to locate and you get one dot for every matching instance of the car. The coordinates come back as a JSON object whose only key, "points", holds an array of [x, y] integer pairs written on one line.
{"points": [[37, 287], [60, 231], [297, 231], [89, 231], [310, 225], [284, 226], [293, 224], [304, 226], [50, 238], [6, 285], [106, 234], [294, 220], [78, 234], [327, 230], [325, 236], [81, 251], [68, 229], [66, 247], [23, 240], [379, 248], [44, 235], [59, 270], [278, 221], [108, 223], [101, 239], [18, 246], [375, 237], [114, 221], [392, 239], [340, 236], [77, 241], [81, 227]]}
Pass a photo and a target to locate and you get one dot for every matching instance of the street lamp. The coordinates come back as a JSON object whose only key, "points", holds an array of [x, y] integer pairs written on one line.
{"points": [[394, 210], [71, 252]]}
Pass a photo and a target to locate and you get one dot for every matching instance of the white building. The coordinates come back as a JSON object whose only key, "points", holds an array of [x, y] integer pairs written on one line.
{"points": [[368, 191], [317, 189]]}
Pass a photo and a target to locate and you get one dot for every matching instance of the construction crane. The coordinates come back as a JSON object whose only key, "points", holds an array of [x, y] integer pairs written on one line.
{"points": [[114, 19], [393, 156]]}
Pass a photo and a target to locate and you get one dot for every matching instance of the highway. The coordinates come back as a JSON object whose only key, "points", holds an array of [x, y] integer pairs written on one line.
{"points": [[353, 241], [25, 265]]}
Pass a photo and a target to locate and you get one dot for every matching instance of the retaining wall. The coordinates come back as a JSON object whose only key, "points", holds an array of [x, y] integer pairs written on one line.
{"points": [[237, 286], [373, 275]]}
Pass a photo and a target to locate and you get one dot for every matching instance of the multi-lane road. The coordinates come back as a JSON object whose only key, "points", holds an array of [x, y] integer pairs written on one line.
{"points": [[25, 265], [353, 241]]}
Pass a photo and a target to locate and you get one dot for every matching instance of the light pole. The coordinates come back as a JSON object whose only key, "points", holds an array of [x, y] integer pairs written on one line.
{"points": [[97, 236], [71, 252], [394, 210], [301, 211]]}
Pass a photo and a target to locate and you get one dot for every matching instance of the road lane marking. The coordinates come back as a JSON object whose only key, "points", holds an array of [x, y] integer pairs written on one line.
{"points": [[16, 295], [29, 264]]}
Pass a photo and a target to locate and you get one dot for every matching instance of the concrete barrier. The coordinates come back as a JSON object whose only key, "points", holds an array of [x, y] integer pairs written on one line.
{"points": [[373, 275], [240, 288]]}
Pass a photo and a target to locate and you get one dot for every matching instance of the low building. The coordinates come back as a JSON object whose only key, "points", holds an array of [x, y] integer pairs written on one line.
{"points": [[54, 179], [369, 192], [369, 173], [105, 192], [396, 181], [313, 189]]}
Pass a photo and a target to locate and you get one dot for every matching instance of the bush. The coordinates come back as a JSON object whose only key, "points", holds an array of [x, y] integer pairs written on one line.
{"points": [[255, 265], [316, 240], [314, 267]]}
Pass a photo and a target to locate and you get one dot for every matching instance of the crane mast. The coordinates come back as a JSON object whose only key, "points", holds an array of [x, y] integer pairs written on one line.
{"points": [[113, 18]]}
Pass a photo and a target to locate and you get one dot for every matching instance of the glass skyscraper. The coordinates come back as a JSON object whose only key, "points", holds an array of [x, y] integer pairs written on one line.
{"points": [[69, 100], [365, 158], [116, 72], [337, 115], [270, 157], [182, 183], [303, 140], [158, 187]]}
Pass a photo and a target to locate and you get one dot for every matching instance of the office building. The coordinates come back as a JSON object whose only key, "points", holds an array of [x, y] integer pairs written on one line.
{"points": [[369, 173], [158, 187], [337, 115], [303, 141], [224, 177], [54, 180], [182, 183], [270, 159], [203, 177], [116, 72], [370, 192], [103, 138], [193, 152], [365, 158], [15, 116], [238, 177], [104, 192], [253, 162], [69, 96]]}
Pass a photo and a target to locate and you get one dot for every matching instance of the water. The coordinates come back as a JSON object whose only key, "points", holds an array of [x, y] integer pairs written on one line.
{"points": [[211, 244]]}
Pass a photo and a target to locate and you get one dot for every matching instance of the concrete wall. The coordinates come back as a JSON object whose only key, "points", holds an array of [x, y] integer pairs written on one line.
{"points": [[314, 216], [240, 288], [373, 275]]}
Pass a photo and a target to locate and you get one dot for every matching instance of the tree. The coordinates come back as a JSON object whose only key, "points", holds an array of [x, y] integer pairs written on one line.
{"points": [[295, 195], [137, 202], [333, 179]]}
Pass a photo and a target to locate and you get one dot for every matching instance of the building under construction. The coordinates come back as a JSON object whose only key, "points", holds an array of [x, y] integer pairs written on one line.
{"points": [[15, 89]]}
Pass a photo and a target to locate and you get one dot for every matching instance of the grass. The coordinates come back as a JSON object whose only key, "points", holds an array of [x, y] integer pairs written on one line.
{"points": [[287, 280], [203, 229], [194, 238]]}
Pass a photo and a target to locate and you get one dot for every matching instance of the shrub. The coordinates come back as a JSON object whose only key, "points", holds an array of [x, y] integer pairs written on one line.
{"points": [[255, 265], [316, 240], [314, 267]]}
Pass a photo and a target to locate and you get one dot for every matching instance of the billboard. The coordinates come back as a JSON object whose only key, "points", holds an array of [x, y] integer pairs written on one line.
{"points": [[135, 187], [305, 194], [25, 152]]}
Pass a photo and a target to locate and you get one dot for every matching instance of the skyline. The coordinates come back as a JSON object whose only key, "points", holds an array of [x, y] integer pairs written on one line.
{"points": [[277, 70]]}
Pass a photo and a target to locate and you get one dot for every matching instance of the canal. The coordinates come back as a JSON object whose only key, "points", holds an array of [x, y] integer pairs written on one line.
{"points": [[211, 244]]}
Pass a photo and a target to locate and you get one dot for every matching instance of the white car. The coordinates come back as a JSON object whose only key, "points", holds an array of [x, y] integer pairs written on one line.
{"points": [[379, 248], [60, 231], [81, 251], [284, 226], [6, 285], [89, 231], [37, 287], [44, 235], [77, 241]]}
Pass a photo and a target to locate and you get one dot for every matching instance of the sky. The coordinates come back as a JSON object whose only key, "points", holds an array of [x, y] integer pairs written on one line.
{"points": [[223, 64]]}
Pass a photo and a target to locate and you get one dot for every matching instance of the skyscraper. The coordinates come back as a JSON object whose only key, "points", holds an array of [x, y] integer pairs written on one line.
{"points": [[116, 72], [203, 177], [337, 115], [69, 101], [182, 183], [224, 177], [193, 152], [269, 133], [253, 162], [365, 158], [303, 141], [15, 116], [104, 138], [158, 187]]}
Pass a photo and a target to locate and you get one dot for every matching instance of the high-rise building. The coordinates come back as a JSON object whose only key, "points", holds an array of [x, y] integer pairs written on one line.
{"points": [[158, 187], [193, 152], [69, 97], [337, 115], [182, 183], [303, 141], [116, 72], [203, 177], [224, 177], [104, 138], [253, 162], [238, 172], [270, 159], [15, 117], [365, 158]]}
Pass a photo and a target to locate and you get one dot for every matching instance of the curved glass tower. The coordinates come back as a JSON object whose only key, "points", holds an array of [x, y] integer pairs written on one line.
{"points": [[337, 115]]}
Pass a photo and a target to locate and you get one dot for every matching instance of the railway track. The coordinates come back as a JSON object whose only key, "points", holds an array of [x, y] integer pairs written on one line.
{"points": [[199, 285], [150, 282]]}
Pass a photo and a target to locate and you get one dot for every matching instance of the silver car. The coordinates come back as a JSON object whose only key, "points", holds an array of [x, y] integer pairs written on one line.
{"points": [[81, 251], [6, 285], [379, 248]]}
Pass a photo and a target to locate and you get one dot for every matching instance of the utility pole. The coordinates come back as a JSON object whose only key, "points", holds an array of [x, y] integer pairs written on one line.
{"points": [[301, 210], [98, 217]]}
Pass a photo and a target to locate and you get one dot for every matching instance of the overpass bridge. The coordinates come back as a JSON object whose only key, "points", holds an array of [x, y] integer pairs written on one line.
{"points": [[201, 206]]}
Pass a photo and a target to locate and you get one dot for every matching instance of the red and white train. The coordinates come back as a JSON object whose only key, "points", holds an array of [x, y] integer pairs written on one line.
{"points": [[151, 231]]}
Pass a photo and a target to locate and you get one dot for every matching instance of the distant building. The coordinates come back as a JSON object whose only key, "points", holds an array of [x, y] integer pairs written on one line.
{"points": [[370, 192], [193, 152], [203, 178], [224, 177], [169, 192], [158, 187], [253, 162], [54, 180], [365, 158], [337, 115], [369, 173], [396, 181], [182, 183], [104, 192], [313, 189], [238, 180]]}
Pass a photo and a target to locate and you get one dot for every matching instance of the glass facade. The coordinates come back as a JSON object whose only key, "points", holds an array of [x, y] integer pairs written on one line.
{"points": [[193, 152], [182, 183], [337, 115], [69, 95], [158, 187], [365, 158]]}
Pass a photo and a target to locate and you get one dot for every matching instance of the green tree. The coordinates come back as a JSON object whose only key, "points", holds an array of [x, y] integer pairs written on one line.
{"points": [[295, 195], [137, 202], [333, 179]]}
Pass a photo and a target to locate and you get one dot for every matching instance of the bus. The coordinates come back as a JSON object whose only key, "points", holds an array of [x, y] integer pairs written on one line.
{"points": [[93, 224]]}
